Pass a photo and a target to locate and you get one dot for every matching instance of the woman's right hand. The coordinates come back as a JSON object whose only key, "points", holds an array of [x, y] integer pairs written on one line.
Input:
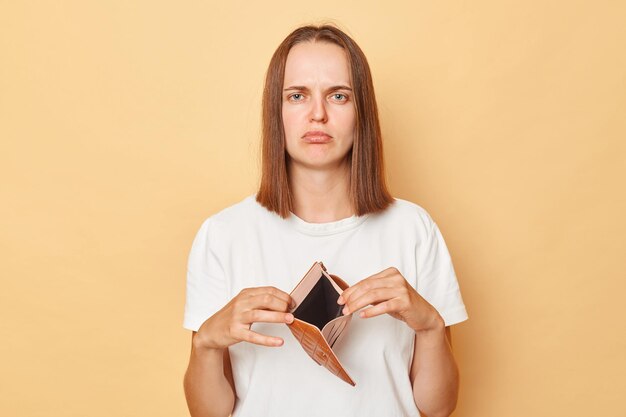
{"points": [[232, 323]]}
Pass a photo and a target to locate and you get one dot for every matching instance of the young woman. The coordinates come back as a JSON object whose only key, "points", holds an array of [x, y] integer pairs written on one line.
{"points": [[322, 198]]}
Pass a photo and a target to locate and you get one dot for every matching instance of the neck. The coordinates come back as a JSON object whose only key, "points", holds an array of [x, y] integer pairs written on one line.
{"points": [[321, 195]]}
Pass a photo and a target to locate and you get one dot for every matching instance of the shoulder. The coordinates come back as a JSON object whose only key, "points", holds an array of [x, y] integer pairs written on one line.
{"points": [[237, 216], [407, 213], [238, 211]]}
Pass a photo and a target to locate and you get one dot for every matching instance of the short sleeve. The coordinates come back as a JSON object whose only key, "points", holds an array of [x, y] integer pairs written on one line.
{"points": [[206, 282], [436, 279]]}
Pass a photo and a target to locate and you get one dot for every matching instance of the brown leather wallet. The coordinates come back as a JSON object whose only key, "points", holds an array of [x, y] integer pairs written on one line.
{"points": [[318, 320]]}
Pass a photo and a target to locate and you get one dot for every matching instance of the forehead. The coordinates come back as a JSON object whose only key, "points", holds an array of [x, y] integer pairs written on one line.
{"points": [[317, 63]]}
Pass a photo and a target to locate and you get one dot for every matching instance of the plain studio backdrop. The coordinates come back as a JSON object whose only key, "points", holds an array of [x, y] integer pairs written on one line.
{"points": [[124, 124]]}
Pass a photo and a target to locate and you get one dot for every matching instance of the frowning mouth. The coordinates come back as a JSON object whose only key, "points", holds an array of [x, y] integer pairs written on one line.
{"points": [[317, 136]]}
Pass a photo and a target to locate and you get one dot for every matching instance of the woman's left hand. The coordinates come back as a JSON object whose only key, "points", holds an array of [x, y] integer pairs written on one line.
{"points": [[389, 292]]}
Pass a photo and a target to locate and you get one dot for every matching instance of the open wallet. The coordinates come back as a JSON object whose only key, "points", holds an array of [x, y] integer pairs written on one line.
{"points": [[318, 320]]}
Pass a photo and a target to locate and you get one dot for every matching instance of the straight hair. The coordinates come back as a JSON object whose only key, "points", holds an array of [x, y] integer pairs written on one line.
{"points": [[368, 190]]}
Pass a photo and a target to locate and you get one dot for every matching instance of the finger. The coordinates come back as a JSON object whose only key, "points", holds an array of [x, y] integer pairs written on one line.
{"points": [[389, 272], [270, 290], [379, 309], [259, 339], [267, 301], [367, 281], [279, 294], [374, 296], [365, 286], [264, 316]]}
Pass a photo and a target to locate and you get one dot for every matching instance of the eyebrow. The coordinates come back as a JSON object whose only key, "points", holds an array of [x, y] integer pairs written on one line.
{"points": [[303, 88]]}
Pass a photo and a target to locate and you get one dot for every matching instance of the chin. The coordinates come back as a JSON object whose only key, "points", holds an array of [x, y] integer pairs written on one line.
{"points": [[317, 161]]}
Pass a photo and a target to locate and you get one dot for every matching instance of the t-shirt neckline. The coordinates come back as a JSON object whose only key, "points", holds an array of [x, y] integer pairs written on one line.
{"points": [[327, 228]]}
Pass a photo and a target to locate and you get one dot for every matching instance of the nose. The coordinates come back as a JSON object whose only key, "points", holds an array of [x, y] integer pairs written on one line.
{"points": [[318, 110]]}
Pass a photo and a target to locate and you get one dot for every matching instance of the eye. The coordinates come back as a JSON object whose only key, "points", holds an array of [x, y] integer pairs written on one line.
{"points": [[339, 97], [295, 97]]}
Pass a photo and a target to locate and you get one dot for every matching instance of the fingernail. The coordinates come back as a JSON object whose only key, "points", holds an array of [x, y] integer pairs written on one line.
{"points": [[278, 342], [340, 300], [345, 310], [289, 317]]}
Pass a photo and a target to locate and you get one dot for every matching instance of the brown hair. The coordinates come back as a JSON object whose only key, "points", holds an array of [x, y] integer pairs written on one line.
{"points": [[368, 190]]}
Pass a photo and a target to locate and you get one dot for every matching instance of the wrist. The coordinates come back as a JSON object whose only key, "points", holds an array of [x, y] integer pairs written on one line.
{"points": [[436, 326], [202, 343]]}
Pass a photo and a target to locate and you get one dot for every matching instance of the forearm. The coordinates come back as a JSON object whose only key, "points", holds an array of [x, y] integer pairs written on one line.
{"points": [[208, 392], [436, 379]]}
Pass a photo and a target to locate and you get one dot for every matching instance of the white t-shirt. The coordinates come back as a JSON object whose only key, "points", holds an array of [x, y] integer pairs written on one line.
{"points": [[246, 245]]}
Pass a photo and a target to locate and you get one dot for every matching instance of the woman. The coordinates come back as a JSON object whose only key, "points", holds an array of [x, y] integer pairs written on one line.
{"points": [[322, 198]]}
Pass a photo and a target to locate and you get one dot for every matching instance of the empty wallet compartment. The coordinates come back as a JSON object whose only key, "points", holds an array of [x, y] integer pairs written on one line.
{"points": [[320, 304], [318, 320]]}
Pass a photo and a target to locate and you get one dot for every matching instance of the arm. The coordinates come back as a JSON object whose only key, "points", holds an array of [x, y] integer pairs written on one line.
{"points": [[434, 373], [208, 383]]}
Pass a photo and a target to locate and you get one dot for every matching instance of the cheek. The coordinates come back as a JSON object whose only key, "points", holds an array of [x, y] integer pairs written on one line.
{"points": [[349, 122], [289, 124]]}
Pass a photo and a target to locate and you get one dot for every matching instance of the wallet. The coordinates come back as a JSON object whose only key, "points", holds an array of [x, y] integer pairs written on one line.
{"points": [[318, 320]]}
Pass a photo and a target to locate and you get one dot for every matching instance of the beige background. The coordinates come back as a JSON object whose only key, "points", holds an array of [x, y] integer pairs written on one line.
{"points": [[124, 124]]}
